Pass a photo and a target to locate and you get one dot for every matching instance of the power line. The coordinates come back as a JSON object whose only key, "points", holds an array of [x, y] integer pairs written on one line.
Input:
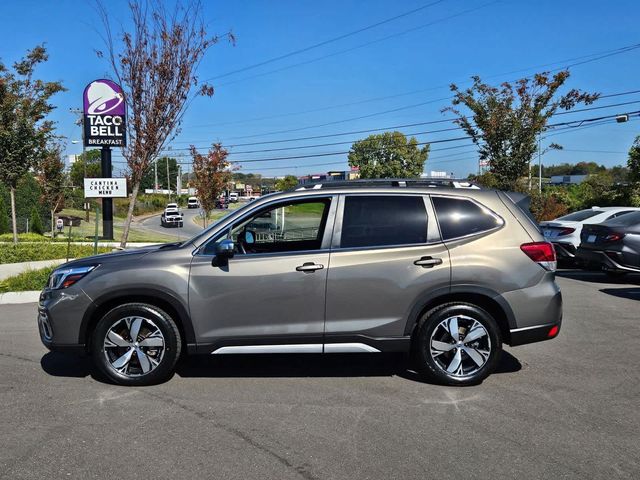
{"points": [[580, 60], [326, 42], [568, 126], [357, 47], [393, 127]]}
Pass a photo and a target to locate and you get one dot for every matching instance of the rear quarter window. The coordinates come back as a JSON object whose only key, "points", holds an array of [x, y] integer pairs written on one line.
{"points": [[460, 217]]}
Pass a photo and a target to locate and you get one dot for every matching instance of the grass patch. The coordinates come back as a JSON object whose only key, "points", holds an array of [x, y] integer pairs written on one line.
{"points": [[25, 281], [31, 252], [86, 230], [24, 237], [217, 214]]}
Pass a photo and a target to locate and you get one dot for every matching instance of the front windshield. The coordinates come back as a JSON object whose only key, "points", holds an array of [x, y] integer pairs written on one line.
{"points": [[231, 213]]}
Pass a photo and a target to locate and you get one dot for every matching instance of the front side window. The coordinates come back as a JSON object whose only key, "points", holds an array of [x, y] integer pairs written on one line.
{"points": [[286, 227], [372, 221], [459, 217]]}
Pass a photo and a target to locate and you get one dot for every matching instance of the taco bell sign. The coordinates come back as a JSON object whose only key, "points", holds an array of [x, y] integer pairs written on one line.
{"points": [[104, 115]]}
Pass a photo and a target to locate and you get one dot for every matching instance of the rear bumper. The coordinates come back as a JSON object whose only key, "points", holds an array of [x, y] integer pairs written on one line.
{"points": [[522, 336], [606, 260], [565, 250]]}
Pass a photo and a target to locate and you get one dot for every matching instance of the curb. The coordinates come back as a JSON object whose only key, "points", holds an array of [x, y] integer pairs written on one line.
{"points": [[31, 296]]}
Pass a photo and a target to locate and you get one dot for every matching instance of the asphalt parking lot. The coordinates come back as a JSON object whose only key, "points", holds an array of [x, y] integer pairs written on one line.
{"points": [[566, 408]]}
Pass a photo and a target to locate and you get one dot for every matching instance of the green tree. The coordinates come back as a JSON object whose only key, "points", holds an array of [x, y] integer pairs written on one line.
{"points": [[633, 163], [4, 217], [287, 183], [505, 122], [35, 222], [52, 180], [88, 162], [24, 130], [388, 155], [148, 180]]}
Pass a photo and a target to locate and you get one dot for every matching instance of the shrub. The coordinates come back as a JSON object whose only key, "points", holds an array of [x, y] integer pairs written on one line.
{"points": [[31, 252], [24, 237], [4, 217], [35, 223], [29, 280], [547, 206]]}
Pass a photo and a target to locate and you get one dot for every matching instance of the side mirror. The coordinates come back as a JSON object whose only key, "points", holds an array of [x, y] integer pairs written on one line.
{"points": [[225, 248]]}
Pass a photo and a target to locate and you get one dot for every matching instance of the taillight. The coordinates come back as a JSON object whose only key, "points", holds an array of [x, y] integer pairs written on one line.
{"points": [[614, 237], [566, 231], [542, 253]]}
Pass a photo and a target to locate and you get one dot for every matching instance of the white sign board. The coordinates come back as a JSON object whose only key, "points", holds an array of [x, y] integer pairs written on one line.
{"points": [[105, 187]]}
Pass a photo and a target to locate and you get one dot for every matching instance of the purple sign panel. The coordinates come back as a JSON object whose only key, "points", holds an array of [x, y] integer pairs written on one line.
{"points": [[104, 115]]}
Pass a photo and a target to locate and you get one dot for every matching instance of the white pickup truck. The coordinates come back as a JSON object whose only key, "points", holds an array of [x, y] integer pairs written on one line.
{"points": [[172, 216]]}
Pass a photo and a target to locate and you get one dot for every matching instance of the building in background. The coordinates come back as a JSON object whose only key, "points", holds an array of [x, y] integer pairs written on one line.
{"points": [[332, 176], [567, 179]]}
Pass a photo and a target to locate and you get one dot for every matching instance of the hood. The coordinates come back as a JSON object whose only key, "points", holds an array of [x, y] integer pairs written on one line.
{"points": [[134, 254]]}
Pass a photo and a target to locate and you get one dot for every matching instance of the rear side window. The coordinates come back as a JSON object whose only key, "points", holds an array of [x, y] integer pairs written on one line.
{"points": [[372, 221], [458, 217], [626, 220], [580, 215]]}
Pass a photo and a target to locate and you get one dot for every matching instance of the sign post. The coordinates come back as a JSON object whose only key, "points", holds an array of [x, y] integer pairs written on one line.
{"points": [[105, 126]]}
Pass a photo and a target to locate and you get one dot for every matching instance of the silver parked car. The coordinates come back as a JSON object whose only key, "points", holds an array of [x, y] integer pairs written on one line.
{"points": [[448, 274]]}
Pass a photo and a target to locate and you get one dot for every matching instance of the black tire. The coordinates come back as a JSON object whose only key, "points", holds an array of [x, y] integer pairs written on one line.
{"points": [[430, 325], [135, 376]]}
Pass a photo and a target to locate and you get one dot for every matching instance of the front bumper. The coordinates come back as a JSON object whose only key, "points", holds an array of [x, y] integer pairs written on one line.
{"points": [[60, 314]]}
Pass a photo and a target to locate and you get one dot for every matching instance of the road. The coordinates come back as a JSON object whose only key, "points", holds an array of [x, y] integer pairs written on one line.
{"points": [[189, 229], [566, 408]]}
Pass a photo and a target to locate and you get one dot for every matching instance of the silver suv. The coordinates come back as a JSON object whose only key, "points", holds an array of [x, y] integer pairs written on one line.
{"points": [[447, 274]]}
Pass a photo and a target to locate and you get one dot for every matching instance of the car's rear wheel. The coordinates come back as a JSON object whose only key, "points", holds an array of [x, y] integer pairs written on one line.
{"points": [[136, 344], [457, 344]]}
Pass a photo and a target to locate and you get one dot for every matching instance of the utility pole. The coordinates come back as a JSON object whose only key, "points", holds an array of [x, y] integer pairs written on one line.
{"points": [[168, 178], [155, 181], [539, 167]]}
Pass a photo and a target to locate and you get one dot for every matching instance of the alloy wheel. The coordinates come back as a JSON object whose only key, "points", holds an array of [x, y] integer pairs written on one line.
{"points": [[134, 346], [460, 346]]}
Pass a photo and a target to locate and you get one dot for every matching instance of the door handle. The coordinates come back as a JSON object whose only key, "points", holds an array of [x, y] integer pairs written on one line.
{"points": [[309, 267], [428, 262]]}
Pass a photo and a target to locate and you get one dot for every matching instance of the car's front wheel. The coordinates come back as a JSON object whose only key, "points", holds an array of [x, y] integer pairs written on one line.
{"points": [[457, 344], [136, 344]]}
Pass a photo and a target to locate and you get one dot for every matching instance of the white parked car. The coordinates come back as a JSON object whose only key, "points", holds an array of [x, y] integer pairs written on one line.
{"points": [[564, 232]]}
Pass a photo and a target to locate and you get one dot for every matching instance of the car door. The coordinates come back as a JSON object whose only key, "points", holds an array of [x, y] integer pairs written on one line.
{"points": [[386, 257], [273, 289]]}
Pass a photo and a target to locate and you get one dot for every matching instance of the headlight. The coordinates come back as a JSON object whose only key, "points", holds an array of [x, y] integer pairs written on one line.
{"points": [[68, 276]]}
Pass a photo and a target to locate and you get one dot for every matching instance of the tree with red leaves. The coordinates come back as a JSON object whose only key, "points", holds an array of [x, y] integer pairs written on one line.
{"points": [[157, 66], [212, 173]]}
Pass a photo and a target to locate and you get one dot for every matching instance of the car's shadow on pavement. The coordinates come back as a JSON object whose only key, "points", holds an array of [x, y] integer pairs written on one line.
{"points": [[306, 365], [632, 293], [598, 277], [269, 366]]}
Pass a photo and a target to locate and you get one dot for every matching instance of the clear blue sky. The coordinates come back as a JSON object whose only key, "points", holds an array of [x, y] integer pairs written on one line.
{"points": [[488, 38]]}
